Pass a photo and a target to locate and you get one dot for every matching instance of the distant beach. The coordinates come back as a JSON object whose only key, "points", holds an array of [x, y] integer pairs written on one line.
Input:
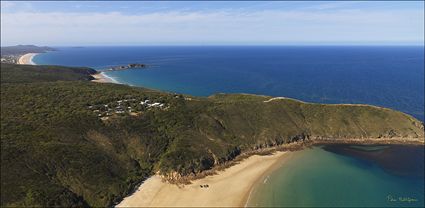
{"points": [[230, 187], [103, 78], [100, 77], [27, 59]]}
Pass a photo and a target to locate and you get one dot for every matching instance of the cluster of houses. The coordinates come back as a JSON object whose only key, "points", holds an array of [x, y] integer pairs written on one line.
{"points": [[124, 107], [10, 59], [149, 104]]}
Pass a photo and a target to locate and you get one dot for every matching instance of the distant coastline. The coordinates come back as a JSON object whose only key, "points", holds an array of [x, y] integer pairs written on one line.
{"points": [[22, 54], [101, 77], [27, 59]]}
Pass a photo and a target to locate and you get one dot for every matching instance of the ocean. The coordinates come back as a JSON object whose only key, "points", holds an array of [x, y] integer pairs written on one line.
{"points": [[332, 175], [388, 76], [346, 175]]}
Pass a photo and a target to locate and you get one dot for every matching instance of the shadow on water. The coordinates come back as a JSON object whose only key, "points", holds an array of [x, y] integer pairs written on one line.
{"points": [[398, 160]]}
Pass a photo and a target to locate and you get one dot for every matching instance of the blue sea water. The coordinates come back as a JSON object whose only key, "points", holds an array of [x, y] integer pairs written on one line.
{"points": [[345, 176], [388, 76]]}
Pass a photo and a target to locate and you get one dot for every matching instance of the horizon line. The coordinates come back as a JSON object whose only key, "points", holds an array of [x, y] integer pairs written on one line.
{"points": [[200, 45]]}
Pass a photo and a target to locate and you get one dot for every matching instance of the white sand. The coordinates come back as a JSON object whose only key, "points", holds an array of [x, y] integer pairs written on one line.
{"points": [[102, 78], [230, 187], [27, 59]]}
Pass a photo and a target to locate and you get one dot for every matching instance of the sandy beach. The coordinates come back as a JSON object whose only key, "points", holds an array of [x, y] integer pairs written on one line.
{"points": [[27, 59], [230, 187], [99, 77], [102, 78]]}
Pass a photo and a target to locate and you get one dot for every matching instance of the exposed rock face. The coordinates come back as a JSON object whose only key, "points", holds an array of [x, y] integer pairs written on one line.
{"points": [[172, 176]]}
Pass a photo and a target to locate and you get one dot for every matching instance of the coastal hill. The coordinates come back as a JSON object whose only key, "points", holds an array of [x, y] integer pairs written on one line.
{"points": [[23, 49], [66, 141]]}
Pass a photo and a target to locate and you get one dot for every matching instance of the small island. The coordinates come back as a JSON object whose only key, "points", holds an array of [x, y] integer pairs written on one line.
{"points": [[128, 66]]}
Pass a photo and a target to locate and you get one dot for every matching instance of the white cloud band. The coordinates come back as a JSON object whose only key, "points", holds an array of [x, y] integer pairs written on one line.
{"points": [[269, 26]]}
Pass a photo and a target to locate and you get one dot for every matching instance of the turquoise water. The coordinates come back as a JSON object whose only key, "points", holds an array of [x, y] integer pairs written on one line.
{"points": [[385, 76], [341, 175]]}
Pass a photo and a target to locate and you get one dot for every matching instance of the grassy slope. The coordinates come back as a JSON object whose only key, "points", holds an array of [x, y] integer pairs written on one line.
{"points": [[55, 151]]}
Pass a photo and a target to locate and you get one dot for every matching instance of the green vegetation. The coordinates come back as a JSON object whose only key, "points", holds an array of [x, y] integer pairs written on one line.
{"points": [[55, 151], [11, 73]]}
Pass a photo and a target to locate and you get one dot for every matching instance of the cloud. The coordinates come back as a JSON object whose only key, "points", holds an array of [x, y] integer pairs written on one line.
{"points": [[192, 27], [334, 5], [23, 6], [7, 4]]}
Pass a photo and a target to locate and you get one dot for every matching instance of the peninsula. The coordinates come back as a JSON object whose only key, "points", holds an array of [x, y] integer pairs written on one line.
{"points": [[67, 141]]}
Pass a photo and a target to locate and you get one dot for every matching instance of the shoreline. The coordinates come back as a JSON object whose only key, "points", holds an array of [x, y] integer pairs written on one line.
{"points": [[420, 141], [101, 77], [157, 191], [229, 187], [27, 59], [265, 176]]}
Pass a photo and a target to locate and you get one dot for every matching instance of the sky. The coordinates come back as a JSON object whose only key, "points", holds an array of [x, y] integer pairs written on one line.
{"points": [[212, 23]]}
